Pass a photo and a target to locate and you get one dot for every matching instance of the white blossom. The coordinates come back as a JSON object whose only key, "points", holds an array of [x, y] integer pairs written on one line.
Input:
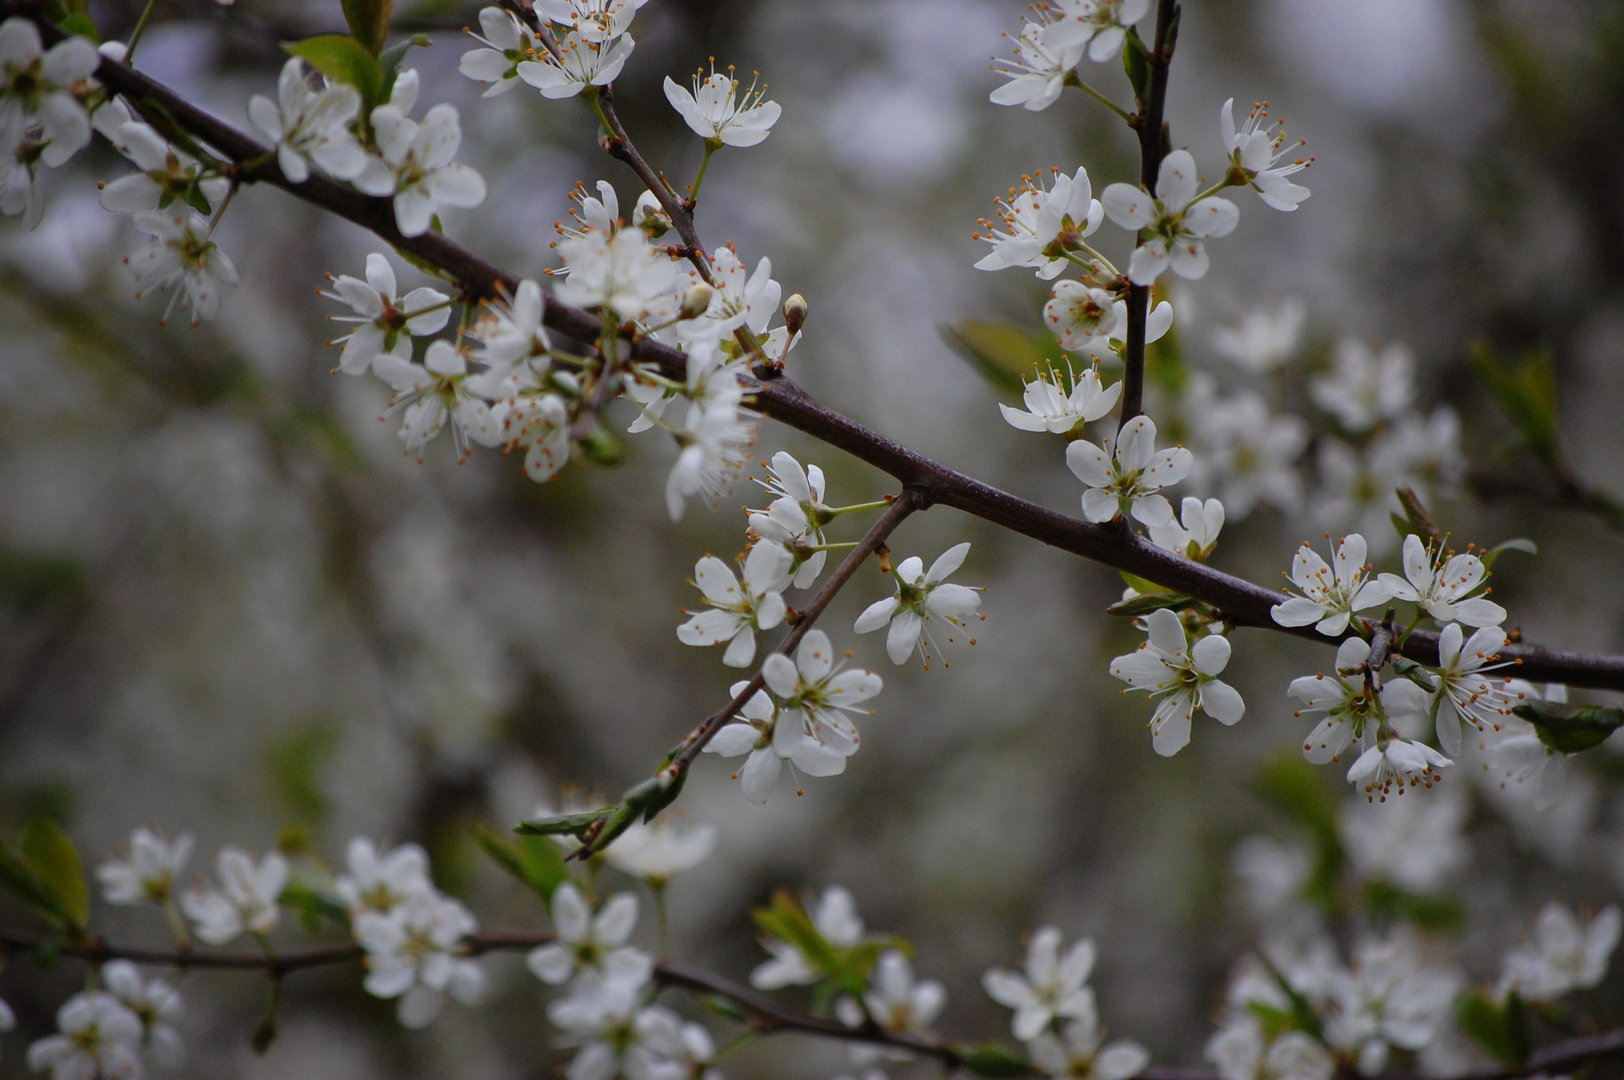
{"points": [[715, 112], [1252, 455], [816, 694], [1255, 150], [1048, 409], [769, 743], [511, 336], [580, 63], [739, 297], [1396, 761], [796, 517], [1080, 1052], [386, 323], [1050, 986], [1330, 597], [738, 609], [434, 391], [539, 425], [246, 900], [1470, 697], [1082, 317], [1037, 74], [98, 1037], [1350, 713], [1127, 481], [380, 880], [163, 174], [1173, 222], [508, 43], [309, 125], [20, 190], [1444, 590], [1363, 388], [1272, 874], [415, 953], [618, 1039], [179, 250], [156, 1003], [592, 946], [418, 167], [37, 89], [621, 273], [1195, 533], [149, 874], [594, 20], [1101, 25], [715, 442], [1265, 339], [896, 1001], [1416, 844], [1184, 676], [1040, 224], [921, 596], [659, 852], [1563, 955], [1239, 1051], [1393, 996], [835, 918]]}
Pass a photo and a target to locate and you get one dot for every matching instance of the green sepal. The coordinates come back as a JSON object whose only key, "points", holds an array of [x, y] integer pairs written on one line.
{"points": [[992, 1060], [1136, 64], [197, 200], [1570, 729], [343, 59], [534, 860], [1144, 605]]}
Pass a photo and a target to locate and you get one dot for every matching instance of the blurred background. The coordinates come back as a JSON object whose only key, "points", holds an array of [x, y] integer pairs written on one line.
{"points": [[230, 604]]}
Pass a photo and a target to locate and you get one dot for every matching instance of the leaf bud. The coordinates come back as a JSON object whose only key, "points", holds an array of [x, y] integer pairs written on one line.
{"points": [[795, 312], [697, 301]]}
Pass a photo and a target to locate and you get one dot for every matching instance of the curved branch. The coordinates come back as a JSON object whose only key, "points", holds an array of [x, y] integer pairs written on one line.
{"points": [[1239, 601]]}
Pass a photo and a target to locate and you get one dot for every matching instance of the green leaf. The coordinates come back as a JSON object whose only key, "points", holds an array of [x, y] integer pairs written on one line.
{"points": [[1002, 352], [311, 906], [293, 763], [1435, 914], [991, 1060], [534, 860], [1144, 605], [787, 921], [1526, 390], [343, 59], [1275, 1022], [1142, 585], [1136, 63], [52, 856], [391, 59], [563, 824], [18, 876], [1501, 1030], [82, 24], [265, 1034], [1303, 1015], [1520, 543], [368, 21], [1571, 729]]}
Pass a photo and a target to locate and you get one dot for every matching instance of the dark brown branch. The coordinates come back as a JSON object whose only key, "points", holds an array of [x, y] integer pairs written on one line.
{"points": [[1239, 601], [1149, 126], [766, 1015]]}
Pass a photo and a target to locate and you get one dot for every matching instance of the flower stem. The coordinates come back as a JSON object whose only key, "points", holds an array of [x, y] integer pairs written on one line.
{"points": [[221, 211], [591, 94], [140, 28], [662, 921], [693, 192], [409, 315], [857, 508], [1073, 80]]}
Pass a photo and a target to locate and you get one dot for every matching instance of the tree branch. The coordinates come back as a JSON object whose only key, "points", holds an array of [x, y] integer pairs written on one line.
{"points": [[1239, 601], [1149, 126]]}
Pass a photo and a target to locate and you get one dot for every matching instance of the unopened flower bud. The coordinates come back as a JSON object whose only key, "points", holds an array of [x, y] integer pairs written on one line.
{"points": [[601, 446], [697, 301], [795, 313]]}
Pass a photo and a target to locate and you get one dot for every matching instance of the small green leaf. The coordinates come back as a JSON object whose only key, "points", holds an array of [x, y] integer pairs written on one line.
{"points": [[787, 921], [1526, 390], [1521, 543], [264, 1034], [563, 824], [1136, 63], [311, 906], [991, 1060], [1275, 1022], [1144, 605], [1435, 914], [19, 877], [368, 21], [391, 59], [1571, 729], [1501, 1030], [52, 856], [534, 860], [343, 59], [82, 24], [1003, 353], [1143, 586]]}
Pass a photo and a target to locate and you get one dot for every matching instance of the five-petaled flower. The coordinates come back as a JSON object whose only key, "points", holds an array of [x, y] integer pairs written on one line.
{"points": [[1255, 150], [308, 125], [148, 875], [1042, 224], [1048, 409], [920, 597], [593, 946], [179, 250], [1051, 985], [386, 323], [817, 695], [244, 902], [1166, 665], [1330, 597], [716, 113], [1172, 223], [1128, 481], [1444, 589], [738, 609], [758, 732]]}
